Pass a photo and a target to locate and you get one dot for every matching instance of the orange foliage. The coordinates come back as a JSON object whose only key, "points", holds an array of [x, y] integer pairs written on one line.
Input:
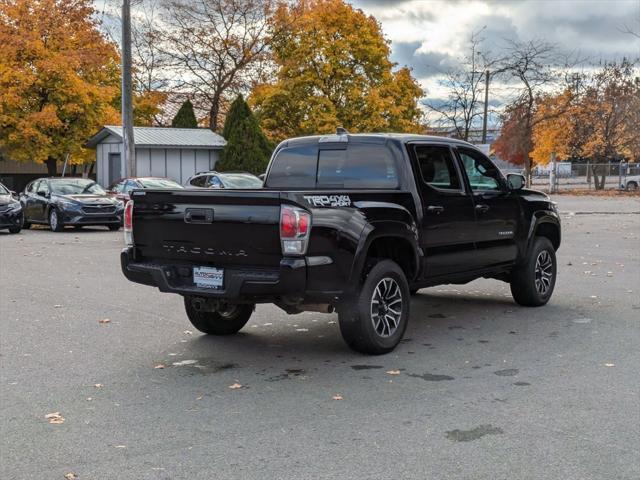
{"points": [[59, 78]]}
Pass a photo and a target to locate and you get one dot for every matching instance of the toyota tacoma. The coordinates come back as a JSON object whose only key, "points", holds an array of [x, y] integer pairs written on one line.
{"points": [[351, 223]]}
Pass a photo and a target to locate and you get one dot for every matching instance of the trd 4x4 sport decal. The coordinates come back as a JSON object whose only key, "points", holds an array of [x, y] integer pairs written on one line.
{"points": [[328, 200]]}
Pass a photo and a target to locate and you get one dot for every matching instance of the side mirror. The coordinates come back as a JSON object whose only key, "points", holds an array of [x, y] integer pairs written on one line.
{"points": [[516, 181], [42, 193], [13, 193], [261, 176]]}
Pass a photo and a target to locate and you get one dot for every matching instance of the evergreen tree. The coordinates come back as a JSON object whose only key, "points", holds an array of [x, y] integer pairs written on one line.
{"points": [[186, 117], [247, 147]]}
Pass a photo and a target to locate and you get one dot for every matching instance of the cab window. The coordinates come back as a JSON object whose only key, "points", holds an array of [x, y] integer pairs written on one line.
{"points": [[437, 167], [294, 167], [481, 172], [357, 166], [199, 181]]}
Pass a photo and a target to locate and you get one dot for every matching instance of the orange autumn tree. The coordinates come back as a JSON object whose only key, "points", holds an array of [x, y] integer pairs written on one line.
{"points": [[558, 128], [333, 69], [59, 79]]}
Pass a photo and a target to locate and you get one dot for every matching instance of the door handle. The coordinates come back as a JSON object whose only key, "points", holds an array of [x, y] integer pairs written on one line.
{"points": [[482, 208], [198, 215], [437, 209]]}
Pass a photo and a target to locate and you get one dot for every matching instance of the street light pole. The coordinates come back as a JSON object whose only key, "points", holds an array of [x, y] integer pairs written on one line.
{"points": [[486, 106], [129, 150]]}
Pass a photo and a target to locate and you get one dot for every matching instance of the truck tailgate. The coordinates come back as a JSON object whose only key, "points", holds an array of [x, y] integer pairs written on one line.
{"points": [[216, 227]]}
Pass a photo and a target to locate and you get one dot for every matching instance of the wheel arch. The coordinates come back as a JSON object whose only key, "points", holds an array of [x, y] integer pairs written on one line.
{"points": [[391, 240]]}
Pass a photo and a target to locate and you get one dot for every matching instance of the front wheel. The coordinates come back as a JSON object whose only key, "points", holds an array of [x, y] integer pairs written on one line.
{"points": [[15, 229], [375, 320], [632, 186], [55, 222], [225, 321], [532, 283]]}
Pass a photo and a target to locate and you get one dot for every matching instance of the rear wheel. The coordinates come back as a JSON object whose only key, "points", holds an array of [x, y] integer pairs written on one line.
{"points": [[632, 186], [15, 229], [226, 321], [26, 225], [55, 222], [532, 283], [375, 320]]}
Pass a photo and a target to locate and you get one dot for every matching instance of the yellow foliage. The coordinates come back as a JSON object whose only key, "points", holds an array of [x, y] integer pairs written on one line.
{"points": [[333, 70], [58, 79]]}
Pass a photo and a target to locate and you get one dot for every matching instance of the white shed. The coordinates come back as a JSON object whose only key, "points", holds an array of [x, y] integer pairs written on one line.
{"points": [[175, 153]]}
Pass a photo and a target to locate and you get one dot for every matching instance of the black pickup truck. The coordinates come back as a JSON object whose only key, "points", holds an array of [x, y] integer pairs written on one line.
{"points": [[352, 223]]}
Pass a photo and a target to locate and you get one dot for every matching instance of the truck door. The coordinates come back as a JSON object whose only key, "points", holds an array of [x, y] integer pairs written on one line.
{"points": [[496, 208], [446, 235]]}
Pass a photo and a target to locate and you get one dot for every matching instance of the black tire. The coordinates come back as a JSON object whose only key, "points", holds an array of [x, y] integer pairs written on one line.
{"points": [[632, 186], [532, 284], [25, 225], [371, 332], [113, 228], [55, 222], [15, 229], [221, 322]]}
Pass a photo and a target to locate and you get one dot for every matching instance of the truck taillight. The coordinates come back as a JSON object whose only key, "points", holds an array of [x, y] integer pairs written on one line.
{"points": [[295, 225], [128, 223]]}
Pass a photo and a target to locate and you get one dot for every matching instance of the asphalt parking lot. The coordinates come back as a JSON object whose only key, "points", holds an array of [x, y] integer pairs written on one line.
{"points": [[479, 389]]}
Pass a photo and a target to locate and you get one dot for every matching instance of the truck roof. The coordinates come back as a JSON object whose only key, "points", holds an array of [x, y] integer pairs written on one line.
{"points": [[381, 137]]}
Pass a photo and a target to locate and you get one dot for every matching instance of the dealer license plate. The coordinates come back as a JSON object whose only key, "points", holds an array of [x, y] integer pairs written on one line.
{"points": [[208, 277]]}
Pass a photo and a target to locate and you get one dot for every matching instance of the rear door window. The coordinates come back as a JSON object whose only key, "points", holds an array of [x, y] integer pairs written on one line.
{"points": [[437, 167], [294, 167]]}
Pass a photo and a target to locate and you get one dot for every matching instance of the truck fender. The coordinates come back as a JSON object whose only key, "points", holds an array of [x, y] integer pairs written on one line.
{"points": [[385, 229], [541, 219]]}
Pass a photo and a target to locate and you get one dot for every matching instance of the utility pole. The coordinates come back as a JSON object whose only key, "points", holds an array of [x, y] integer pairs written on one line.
{"points": [[129, 151], [486, 106]]}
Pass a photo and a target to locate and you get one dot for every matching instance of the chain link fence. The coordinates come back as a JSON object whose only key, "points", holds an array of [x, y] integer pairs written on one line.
{"points": [[584, 176]]}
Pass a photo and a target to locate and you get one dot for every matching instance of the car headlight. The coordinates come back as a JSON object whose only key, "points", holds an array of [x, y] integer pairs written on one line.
{"points": [[68, 205]]}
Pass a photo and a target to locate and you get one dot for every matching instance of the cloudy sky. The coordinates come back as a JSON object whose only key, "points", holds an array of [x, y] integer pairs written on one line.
{"points": [[431, 35]]}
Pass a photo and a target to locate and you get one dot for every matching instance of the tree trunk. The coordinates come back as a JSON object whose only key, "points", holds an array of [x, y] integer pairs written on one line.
{"points": [[213, 114], [51, 166]]}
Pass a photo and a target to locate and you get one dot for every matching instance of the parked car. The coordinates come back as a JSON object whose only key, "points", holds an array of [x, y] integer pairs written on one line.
{"points": [[121, 189], [10, 211], [630, 183], [59, 202], [225, 180], [354, 223]]}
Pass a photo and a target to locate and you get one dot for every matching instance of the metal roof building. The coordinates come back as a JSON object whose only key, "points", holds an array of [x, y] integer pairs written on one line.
{"points": [[175, 153]]}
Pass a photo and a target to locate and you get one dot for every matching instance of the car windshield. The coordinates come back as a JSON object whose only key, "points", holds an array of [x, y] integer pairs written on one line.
{"points": [[158, 183], [240, 181], [3, 190], [76, 186]]}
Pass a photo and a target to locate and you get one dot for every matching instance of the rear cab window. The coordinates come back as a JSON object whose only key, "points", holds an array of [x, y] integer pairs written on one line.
{"points": [[353, 166]]}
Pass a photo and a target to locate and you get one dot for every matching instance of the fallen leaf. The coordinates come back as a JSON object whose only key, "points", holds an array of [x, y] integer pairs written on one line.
{"points": [[98, 385], [104, 320], [119, 446], [394, 372], [235, 386], [609, 364], [302, 329], [57, 306], [54, 418], [188, 332], [159, 366], [71, 476], [337, 396]]}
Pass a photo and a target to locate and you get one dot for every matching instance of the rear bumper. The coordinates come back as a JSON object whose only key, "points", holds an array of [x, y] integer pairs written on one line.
{"points": [[240, 284]]}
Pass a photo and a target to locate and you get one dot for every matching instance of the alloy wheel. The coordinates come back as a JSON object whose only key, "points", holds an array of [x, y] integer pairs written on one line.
{"points": [[386, 307], [543, 272], [53, 220]]}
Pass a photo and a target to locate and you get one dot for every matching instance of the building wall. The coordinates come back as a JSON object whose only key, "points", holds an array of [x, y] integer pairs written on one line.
{"points": [[174, 163]]}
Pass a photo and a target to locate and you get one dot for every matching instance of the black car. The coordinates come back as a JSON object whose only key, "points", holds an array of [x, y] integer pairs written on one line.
{"points": [[79, 202], [10, 211], [352, 223], [230, 180]]}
